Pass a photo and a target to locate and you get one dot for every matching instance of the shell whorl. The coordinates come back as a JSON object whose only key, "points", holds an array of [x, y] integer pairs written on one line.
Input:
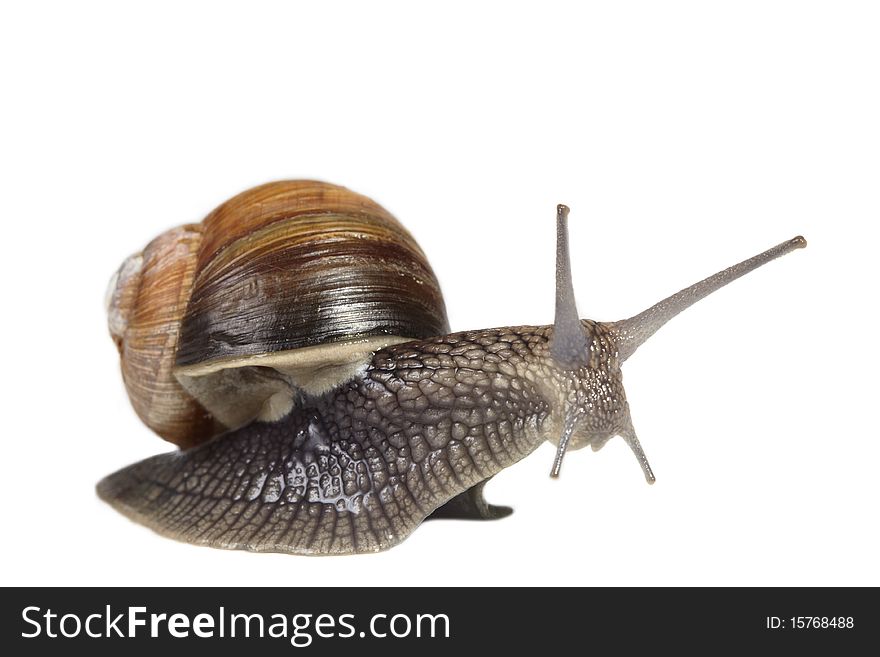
{"points": [[295, 264], [283, 270], [146, 301]]}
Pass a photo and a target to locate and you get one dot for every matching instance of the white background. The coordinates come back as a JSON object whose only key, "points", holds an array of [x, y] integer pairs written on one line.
{"points": [[685, 136]]}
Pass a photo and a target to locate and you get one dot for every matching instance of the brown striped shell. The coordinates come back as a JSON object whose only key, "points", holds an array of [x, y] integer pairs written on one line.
{"points": [[285, 288]]}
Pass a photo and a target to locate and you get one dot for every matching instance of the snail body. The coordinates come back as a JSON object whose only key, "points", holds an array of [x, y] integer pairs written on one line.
{"points": [[295, 346]]}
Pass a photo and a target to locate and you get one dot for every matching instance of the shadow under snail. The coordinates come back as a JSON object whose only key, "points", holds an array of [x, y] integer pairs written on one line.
{"points": [[295, 346]]}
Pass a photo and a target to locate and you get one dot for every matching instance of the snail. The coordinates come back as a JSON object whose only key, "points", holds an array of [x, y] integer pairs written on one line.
{"points": [[295, 346]]}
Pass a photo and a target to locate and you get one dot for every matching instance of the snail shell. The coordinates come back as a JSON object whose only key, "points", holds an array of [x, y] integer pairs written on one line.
{"points": [[284, 289]]}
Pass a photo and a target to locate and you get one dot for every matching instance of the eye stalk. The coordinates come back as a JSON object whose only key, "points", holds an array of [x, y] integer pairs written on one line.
{"points": [[585, 412], [633, 332], [570, 343]]}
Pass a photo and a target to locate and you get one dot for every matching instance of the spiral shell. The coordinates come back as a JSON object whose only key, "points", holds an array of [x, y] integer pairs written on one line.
{"points": [[147, 299], [285, 288]]}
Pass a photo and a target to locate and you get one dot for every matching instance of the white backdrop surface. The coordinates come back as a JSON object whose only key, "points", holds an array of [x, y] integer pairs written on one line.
{"points": [[685, 136]]}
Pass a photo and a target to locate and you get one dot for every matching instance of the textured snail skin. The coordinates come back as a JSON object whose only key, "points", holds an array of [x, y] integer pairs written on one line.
{"points": [[359, 469]]}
